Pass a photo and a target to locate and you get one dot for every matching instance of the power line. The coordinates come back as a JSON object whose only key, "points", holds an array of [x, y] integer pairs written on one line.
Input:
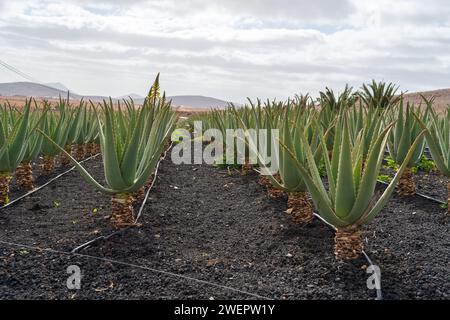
{"points": [[17, 71]]}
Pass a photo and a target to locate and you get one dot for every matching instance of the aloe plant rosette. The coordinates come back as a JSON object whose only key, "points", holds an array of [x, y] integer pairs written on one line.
{"points": [[130, 154], [288, 178], [13, 141], [57, 126], [74, 128], [438, 140], [350, 200], [406, 129], [33, 146]]}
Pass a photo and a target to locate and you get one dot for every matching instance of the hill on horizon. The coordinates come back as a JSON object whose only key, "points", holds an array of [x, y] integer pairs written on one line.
{"points": [[55, 90], [441, 97]]}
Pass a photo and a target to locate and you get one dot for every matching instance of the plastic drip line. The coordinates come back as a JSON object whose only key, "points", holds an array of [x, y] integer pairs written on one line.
{"points": [[420, 194], [151, 185], [167, 273]]}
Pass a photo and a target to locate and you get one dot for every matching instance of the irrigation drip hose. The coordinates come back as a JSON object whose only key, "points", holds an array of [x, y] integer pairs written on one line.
{"points": [[420, 194], [45, 184], [141, 209], [167, 273], [379, 291], [151, 185]]}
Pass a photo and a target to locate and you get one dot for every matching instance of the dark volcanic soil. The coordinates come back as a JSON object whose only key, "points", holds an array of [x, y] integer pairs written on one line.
{"points": [[433, 184], [202, 223]]}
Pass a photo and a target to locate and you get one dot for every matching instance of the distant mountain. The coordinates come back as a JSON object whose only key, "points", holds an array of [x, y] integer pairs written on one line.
{"points": [[198, 102], [31, 89], [54, 90], [441, 98], [57, 85], [133, 96]]}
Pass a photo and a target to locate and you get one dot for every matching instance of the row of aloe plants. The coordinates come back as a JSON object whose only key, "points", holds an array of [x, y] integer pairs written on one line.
{"points": [[332, 152], [21, 143], [129, 138]]}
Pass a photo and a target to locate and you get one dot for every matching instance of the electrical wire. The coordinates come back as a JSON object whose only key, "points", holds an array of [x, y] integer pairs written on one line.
{"points": [[17, 71]]}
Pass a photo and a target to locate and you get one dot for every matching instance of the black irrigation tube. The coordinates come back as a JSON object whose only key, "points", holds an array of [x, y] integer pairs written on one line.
{"points": [[167, 273], [45, 184], [379, 291], [141, 208], [420, 194]]}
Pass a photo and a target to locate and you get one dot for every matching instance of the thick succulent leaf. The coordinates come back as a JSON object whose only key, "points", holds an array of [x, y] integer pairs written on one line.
{"points": [[321, 200], [435, 149], [80, 168], [130, 159], [369, 178], [390, 189], [113, 175], [18, 145], [291, 180], [345, 189]]}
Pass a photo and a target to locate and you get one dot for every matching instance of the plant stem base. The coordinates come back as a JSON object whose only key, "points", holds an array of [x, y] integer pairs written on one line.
{"points": [[5, 178], [139, 195], [300, 207], [122, 211], [24, 176], [348, 244], [97, 149], [64, 158], [89, 149], [271, 190], [48, 164], [79, 152], [406, 185], [246, 167]]}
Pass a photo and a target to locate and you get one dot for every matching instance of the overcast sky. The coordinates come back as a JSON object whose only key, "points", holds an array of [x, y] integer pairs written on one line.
{"points": [[227, 49]]}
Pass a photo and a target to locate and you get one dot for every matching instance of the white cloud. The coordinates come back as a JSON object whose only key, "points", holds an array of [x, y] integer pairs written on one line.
{"points": [[229, 49]]}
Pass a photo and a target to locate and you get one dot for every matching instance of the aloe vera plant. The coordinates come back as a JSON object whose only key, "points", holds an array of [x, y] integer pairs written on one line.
{"points": [[405, 131], [438, 139], [92, 132], [13, 143], [57, 126], [74, 127], [33, 146], [87, 132], [131, 147], [268, 118], [288, 178], [350, 200]]}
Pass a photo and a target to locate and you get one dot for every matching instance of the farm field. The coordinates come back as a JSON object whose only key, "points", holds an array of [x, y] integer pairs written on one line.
{"points": [[361, 187], [202, 223]]}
